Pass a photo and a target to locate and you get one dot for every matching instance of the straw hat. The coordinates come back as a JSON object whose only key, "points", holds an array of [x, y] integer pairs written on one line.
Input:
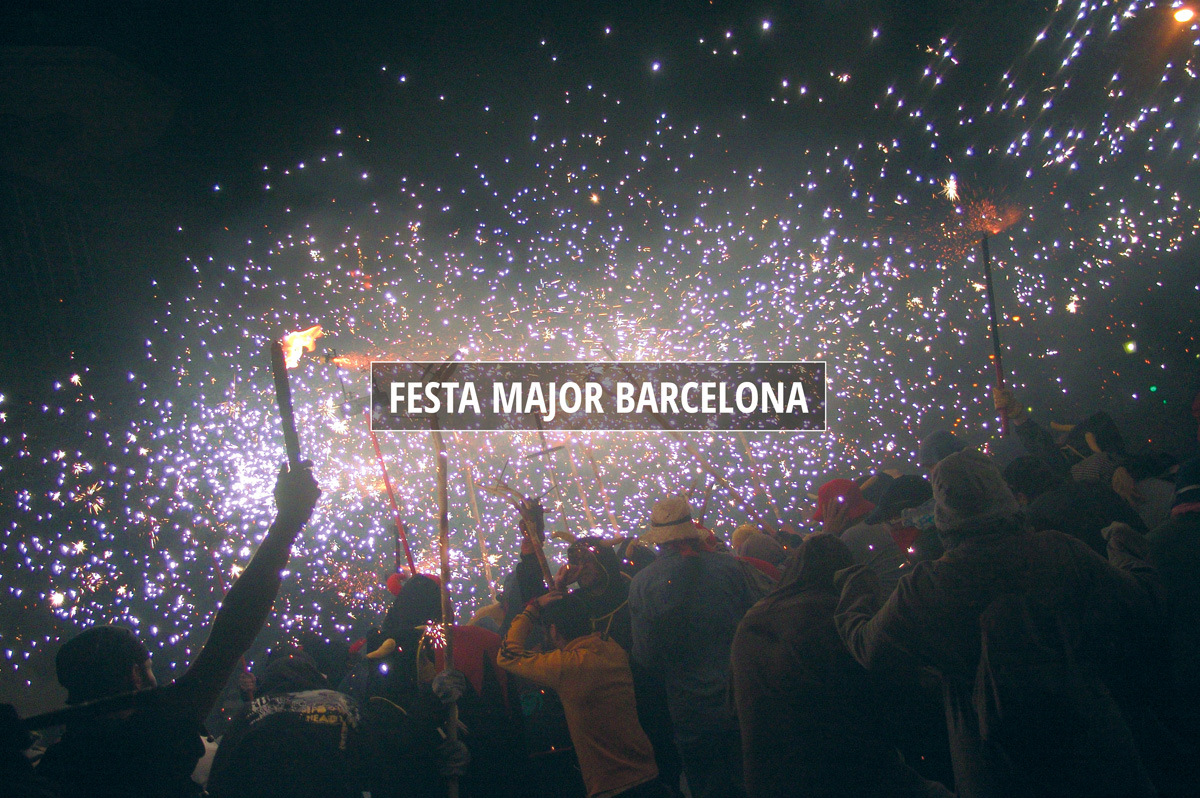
{"points": [[671, 519]]}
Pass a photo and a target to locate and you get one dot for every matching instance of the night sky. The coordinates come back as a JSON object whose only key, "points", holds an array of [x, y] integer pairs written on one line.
{"points": [[544, 180]]}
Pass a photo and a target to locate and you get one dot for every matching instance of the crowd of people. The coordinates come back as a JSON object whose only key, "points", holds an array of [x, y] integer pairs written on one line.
{"points": [[971, 629]]}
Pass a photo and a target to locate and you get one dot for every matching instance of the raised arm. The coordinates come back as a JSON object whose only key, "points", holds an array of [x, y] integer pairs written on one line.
{"points": [[248, 602]]}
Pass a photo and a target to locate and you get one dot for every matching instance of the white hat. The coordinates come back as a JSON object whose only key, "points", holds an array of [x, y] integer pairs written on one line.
{"points": [[671, 519]]}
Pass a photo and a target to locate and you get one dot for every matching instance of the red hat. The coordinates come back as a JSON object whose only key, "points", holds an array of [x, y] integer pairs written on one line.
{"points": [[394, 583], [844, 490]]}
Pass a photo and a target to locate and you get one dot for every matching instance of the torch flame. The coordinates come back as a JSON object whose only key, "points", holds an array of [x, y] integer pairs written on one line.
{"points": [[297, 343]]}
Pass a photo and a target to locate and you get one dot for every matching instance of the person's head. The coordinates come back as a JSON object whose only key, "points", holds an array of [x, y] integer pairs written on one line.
{"points": [[633, 556], [566, 619], [845, 492], [671, 522], [762, 547], [905, 492], [1187, 483], [742, 533], [103, 661], [291, 670], [969, 492], [419, 600], [1029, 477], [937, 447], [1096, 433], [874, 485], [817, 559], [598, 563]]}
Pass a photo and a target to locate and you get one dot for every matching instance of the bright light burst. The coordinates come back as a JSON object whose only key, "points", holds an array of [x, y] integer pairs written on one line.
{"points": [[591, 235]]}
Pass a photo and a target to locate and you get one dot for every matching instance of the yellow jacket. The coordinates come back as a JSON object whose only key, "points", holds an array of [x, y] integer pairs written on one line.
{"points": [[592, 678]]}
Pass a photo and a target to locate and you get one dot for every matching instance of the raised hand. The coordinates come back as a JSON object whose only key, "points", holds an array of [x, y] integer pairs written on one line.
{"points": [[296, 493]]}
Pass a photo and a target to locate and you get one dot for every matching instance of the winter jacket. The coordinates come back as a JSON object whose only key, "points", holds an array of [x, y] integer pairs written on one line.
{"points": [[592, 678], [934, 617], [685, 610], [813, 721], [1175, 552]]}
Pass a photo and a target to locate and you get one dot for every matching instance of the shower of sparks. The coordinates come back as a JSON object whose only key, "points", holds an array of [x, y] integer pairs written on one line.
{"points": [[655, 237], [435, 635]]}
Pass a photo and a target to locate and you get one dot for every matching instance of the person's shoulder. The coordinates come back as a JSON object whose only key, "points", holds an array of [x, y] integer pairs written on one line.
{"points": [[650, 573], [1171, 530]]}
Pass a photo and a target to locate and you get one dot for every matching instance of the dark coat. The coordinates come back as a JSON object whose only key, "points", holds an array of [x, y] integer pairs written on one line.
{"points": [[685, 610], [813, 721], [1081, 510], [1175, 552], [935, 615]]}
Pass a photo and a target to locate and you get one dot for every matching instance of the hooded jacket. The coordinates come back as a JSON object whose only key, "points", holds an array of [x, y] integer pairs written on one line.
{"points": [[813, 721], [934, 617]]}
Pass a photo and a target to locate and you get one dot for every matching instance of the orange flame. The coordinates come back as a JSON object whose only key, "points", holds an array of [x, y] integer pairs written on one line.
{"points": [[297, 343]]}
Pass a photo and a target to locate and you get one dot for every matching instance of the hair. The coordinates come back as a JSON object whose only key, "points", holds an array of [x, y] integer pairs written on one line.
{"points": [[1031, 476], [98, 662], [569, 616]]}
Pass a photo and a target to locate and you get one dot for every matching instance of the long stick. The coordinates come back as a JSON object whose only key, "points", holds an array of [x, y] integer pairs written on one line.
{"points": [[762, 486], [451, 726], [694, 452], [562, 505], [474, 504], [401, 536], [587, 511], [283, 397], [608, 506], [996, 353]]}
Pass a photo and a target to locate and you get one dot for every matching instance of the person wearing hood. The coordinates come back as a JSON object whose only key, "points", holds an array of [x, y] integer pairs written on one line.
{"points": [[1058, 730], [843, 511], [926, 545], [813, 722], [685, 608], [297, 737], [1175, 552]]}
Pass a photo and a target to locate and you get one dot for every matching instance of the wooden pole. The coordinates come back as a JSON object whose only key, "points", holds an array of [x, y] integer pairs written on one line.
{"points": [[483, 552], [283, 397], [401, 537], [608, 506], [587, 511], [439, 445], [997, 360]]}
